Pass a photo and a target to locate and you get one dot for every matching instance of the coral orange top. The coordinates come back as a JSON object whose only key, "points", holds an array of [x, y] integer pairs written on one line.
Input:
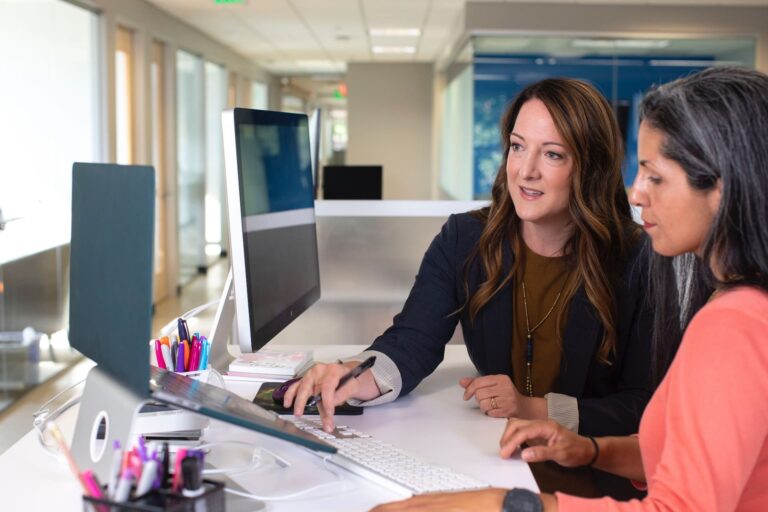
{"points": [[703, 434]]}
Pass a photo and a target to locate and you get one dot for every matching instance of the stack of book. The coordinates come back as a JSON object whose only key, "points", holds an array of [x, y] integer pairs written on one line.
{"points": [[268, 365]]}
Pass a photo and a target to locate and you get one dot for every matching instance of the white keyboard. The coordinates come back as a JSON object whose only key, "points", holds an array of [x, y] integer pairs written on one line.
{"points": [[386, 465]]}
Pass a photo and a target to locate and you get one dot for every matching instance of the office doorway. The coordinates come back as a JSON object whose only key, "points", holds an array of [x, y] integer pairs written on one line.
{"points": [[124, 97], [158, 105]]}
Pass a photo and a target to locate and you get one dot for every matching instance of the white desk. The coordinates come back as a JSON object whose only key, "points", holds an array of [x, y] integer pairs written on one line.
{"points": [[433, 422]]}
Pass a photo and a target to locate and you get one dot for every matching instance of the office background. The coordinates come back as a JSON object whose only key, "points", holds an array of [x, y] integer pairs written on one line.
{"points": [[415, 86]]}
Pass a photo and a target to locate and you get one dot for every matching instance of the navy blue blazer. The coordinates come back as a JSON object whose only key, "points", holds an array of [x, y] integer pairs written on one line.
{"points": [[611, 398]]}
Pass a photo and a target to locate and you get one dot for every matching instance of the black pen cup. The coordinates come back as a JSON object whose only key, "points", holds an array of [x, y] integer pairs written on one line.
{"points": [[163, 500]]}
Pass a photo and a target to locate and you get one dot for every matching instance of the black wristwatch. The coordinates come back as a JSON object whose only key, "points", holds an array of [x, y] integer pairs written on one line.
{"points": [[522, 500]]}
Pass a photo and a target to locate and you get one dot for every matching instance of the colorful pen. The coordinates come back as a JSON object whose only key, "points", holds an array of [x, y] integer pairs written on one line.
{"points": [[187, 353], [182, 328], [114, 471], [180, 358], [123, 490], [197, 352], [143, 449], [165, 458], [64, 449], [166, 351], [94, 488], [180, 454], [159, 355], [148, 477], [204, 359]]}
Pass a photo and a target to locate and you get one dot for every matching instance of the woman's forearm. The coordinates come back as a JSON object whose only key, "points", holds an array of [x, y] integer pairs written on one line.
{"points": [[620, 456]]}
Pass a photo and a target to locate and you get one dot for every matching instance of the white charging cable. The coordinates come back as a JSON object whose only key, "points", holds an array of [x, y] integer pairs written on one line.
{"points": [[50, 411], [170, 326], [293, 495]]}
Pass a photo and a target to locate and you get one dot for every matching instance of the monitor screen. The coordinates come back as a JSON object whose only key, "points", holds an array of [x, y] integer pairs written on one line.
{"points": [[110, 269], [270, 197], [185, 393], [352, 182]]}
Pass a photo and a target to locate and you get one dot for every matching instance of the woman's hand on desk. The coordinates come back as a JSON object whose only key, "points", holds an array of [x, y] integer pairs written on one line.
{"points": [[489, 500], [547, 440], [323, 379], [498, 397]]}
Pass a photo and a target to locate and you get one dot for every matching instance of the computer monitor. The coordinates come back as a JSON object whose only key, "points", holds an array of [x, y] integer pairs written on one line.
{"points": [[352, 182], [270, 195]]}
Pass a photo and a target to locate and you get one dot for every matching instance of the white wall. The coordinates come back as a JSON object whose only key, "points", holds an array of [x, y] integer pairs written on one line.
{"points": [[455, 169], [390, 123]]}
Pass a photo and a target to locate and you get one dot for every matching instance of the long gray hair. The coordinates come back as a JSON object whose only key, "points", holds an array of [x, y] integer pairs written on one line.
{"points": [[715, 125]]}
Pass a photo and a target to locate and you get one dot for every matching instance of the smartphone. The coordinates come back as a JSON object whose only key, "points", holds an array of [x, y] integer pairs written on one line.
{"points": [[264, 399]]}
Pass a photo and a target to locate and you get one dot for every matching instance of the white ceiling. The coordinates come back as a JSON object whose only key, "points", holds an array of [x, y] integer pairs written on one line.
{"points": [[321, 36]]}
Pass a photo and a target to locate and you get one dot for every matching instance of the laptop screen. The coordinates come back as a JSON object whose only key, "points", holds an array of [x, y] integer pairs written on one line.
{"points": [[224, 405]]}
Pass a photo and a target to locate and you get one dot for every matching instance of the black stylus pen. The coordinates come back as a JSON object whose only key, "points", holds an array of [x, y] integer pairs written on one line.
{"points": [[353, 373]]}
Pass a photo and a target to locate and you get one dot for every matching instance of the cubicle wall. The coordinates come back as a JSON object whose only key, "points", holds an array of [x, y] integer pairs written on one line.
{"points": [[369, 252]]}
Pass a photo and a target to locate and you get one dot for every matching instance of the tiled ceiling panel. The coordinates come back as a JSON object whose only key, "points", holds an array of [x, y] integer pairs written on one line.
{"points": [[287, 35], [396, 13]]}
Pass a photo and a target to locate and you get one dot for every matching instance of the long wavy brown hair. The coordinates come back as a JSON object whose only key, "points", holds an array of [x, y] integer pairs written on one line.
{"points": [[598, 205]]}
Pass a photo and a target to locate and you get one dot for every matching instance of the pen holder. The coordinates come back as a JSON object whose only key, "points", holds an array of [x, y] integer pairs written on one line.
{"points": [[163, 500]]}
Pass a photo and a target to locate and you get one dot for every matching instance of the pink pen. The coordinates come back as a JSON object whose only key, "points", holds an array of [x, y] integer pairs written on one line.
{"points": [[180, 454], [159, 355], [94, 489], [194, 360]]}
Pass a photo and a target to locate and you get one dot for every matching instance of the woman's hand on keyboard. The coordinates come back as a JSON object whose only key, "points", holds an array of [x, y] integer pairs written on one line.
{"points": [[547, 440], [498, 397], [323, 379]]}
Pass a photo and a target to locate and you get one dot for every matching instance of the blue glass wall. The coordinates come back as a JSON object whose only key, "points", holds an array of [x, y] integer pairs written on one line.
{"points": [[623, 81]]}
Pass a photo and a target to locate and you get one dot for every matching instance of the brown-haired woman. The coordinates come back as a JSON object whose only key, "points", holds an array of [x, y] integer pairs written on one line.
{"points": [[547, 283]]}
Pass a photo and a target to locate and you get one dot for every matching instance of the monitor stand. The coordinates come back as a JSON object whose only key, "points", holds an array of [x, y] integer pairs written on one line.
{"points": [[223, 335], [104, 400]]}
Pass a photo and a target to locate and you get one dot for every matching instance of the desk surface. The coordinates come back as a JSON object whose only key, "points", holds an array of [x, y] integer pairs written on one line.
{"points": [[432, 422]]}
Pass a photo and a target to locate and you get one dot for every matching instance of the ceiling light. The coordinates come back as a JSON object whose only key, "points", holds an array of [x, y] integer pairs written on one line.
{"points": [[592, 43], [394, 49], [395, 32], [620, 43], [319, 63], [642, 43]]}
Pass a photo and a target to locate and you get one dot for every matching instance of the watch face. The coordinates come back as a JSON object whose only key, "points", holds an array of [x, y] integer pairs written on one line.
{"points": [[522, 500]]}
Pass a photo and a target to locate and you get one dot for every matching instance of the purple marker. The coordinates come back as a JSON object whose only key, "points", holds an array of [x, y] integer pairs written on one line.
{"points": [[180, 359], [143, 449], [114, 472]]}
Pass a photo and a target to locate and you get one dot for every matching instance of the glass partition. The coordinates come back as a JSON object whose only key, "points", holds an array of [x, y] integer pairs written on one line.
{"points": [[621, 68], [50, 118], [215, 202], [190, 157]]}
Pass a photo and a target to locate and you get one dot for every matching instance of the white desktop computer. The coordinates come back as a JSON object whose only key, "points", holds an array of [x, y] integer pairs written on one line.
{"points": [[274, 274]]}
